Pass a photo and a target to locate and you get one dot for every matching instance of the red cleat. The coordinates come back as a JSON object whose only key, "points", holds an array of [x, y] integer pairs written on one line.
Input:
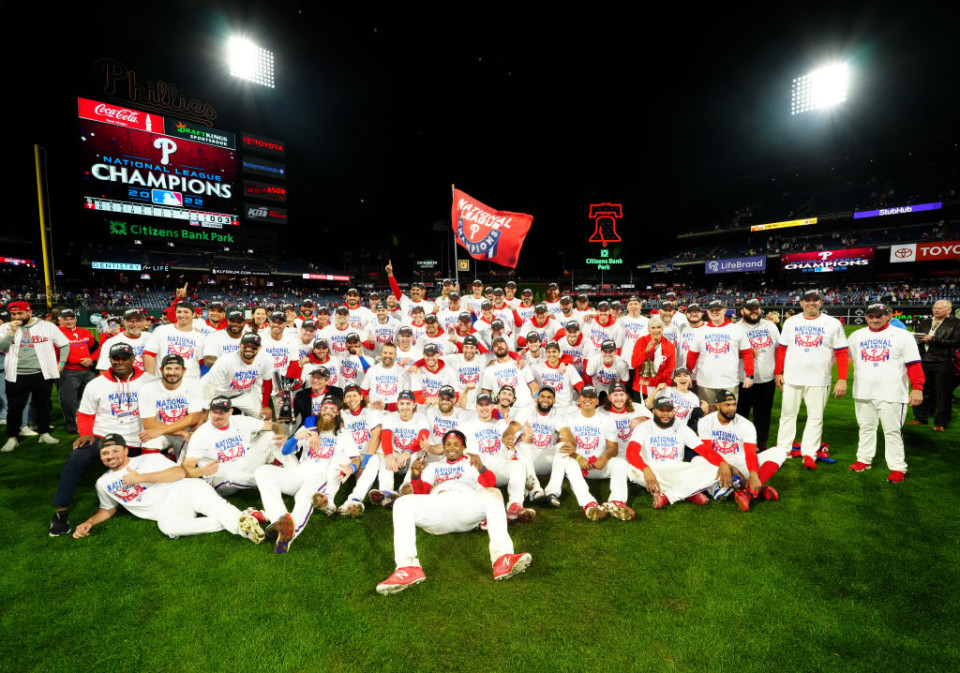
{"points": [[401, 579], [660, 501], [700, 499], [743, 499], [594, 512], [768, 493], [896, 477], [517, 513], [258, 515], [809, 463], [860, 467], [619, 510], [509, 565]]}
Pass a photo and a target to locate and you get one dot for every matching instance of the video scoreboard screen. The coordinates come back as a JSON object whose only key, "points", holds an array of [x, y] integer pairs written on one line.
{"points": [[141, 164]]}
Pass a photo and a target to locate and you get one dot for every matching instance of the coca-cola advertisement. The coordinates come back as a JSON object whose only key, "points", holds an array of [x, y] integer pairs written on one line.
{"points": [[822, 261], [132, 167]]}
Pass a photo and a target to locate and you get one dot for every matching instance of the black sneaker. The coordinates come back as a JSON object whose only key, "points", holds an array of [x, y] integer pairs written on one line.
{"points": [[59, 524]]}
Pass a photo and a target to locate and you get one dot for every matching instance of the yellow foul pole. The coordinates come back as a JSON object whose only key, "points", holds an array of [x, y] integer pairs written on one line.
{"points": [[47, 272]]}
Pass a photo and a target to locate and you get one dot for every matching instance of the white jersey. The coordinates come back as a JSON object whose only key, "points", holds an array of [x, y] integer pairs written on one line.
{"points": [[598, 333], [880, 362], [590, 434], [575, 314], [145, 501], [220, 344], [404, 435], [360, 425], [505, 313], [683, 403], [209, 443], [460, 476], [407, 305], [231, 377], [204, 327], [565, 384], [407, 358], [530, 360], [810, 349], [168, 340], [449, 318], [382, 332], [604, 376], [358, 317], [115, 405], [485, 438], [623, 421], [441, 341], [337, 338], [546, 331], [672, 331], [633, 330], [728, 440], [467, 371], [663, 445], [284, 352], [170, 406], [763, 338], [138, 345], [328, 446], [441, 424], [554, 308], [526, 313], [578, 352], [332, 363], [352, 370], [501, 374], [719, 349], [472, 304], [544, 426], [430, 382], [384, 385]]}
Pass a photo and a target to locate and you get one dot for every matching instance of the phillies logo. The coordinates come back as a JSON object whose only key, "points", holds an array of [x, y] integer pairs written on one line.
{"points": [[717, 348], [659, 453], [588, 444], [875, 355], [167, 147], [387, 390], [130, 493], [325, 452], [489, 445], [725, 446], [482, 240], [172, 415], [186, 352], [229, 453], [808, 340], [766, 341], [361, 436], [541, 441], [825, 255]]}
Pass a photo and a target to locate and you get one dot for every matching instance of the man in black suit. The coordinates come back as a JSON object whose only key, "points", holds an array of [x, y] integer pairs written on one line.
{"points": [[938, 338]]}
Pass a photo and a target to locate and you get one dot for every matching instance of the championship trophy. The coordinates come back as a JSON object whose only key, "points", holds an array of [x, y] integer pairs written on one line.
{"points": [[285, 386]]}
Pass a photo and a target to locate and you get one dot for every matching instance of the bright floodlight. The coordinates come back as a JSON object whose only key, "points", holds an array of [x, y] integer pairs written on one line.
{"points": [[821, 89], [250, 62]]}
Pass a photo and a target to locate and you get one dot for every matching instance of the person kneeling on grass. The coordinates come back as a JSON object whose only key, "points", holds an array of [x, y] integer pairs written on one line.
{"points": [[450, 496], [152, 487]]}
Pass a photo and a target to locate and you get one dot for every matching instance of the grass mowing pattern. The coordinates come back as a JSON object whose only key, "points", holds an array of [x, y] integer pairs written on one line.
{"points": [[845, 572]]}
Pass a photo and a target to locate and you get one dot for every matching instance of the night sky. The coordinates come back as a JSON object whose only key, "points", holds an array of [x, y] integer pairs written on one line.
{"points": [[530, 109]]}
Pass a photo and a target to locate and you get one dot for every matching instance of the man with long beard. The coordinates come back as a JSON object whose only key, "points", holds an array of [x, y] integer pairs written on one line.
{"points": [[763, 336]]}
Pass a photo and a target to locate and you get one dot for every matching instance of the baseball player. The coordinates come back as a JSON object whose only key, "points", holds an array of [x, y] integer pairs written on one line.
{"points": [[687, 405], [384, 380], [180, 338], [618, 407], [504, 371], [718, 347], [380, 329], [402, 434], [533, 434], [809, 344], [563, 379], [886, 365], [590, 442], [433, 375], [151, 487], [312, 481], [734, 438], [452, 496], [224, 452], [763, 336], [688, 334], [225, 341], [603, 326], [359, 314], [634, 326], [170, 408], [245, 376], [133, 334], [604, 370], [363, 426], [656, 451], [110, 404], [468, 366]]}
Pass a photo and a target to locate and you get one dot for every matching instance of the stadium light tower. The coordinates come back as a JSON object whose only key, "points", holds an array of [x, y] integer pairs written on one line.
{"points": [[249, 61], [821, 89]]}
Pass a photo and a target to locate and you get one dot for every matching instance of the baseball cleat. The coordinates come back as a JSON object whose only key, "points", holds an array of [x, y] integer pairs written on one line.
{"points": [[258, 515], [547, 500], [594, 512], [59, 524], [809, 463], [322, 504], [699, 499], [382, 498], [283, 528], [250, 529], [743, 499], [405, 489], [619, 510], [896, 477], [660, 501], [768, 493], [517, 513], [509, 565], [860, 467], [401, 579], [531, 482], [351, 508], [482, 525], [10, 445]]}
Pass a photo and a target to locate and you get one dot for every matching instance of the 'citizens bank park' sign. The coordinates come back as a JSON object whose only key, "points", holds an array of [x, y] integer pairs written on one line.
{"points": [[924, 252], [827, 260], [144, 164]]}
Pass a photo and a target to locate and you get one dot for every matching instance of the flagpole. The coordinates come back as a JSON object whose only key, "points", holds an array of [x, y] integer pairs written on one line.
{"points": [[456, 261]]}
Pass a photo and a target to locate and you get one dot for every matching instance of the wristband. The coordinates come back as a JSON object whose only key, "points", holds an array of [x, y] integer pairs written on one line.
{"points": [[365, 460], [354, 468]]}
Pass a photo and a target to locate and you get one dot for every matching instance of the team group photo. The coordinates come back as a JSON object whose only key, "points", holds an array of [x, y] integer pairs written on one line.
{"points": [[395, 364]]}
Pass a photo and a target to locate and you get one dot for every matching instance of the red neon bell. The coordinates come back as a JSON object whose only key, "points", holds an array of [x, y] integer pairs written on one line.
{"points": [[605, 216]]}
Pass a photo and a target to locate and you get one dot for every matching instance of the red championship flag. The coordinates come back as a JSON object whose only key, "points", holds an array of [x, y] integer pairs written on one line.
{"points": [[495, 235]]}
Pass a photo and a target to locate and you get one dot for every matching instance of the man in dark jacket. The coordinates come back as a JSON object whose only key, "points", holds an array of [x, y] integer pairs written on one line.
{"points": [[938, 338]]}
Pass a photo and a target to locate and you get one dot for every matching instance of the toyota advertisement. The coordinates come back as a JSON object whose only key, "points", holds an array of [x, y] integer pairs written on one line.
{"points": [[823, 261], [924, 252], [136, 163]]}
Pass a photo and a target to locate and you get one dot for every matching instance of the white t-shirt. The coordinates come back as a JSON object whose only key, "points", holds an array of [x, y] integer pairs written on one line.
{"points": [[459, 476], [441, 425], [880, 362], [501, 374], [485, 438], [359, 426], [138, 345], [564, 383], [385, 384], [168, 340], [604, 376], [633, 330], [622, 421], [728, 440], [763, 338], [719, 349], [810, 349], [115, 405], [220, 344], [283, 351], [683, 403], [431, 382], [210, 443], [544, 426], [230, 376], [145, 501], [404, 434], [663, 445], [170, 406], [591, 434]]}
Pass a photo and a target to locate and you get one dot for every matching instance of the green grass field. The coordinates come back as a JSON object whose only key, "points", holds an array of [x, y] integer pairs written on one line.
{"points": [[845, 572]]}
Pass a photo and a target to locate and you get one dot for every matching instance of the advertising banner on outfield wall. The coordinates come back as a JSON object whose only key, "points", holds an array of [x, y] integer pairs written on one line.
{"points": [[924, 252], [735, 264], [827, 260]]}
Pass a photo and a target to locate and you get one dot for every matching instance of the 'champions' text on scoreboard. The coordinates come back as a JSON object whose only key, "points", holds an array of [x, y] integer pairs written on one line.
{"points": [[144, 164]]}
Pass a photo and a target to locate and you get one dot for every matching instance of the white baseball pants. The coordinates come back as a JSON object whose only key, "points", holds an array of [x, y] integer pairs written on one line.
{"points": [[190, 497], [815, 400], [890, 416], [175, 443], [363, 483], [449, 512], [615, 470], [238, 474], [678, 480], [301, 481], [509, 473]]}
